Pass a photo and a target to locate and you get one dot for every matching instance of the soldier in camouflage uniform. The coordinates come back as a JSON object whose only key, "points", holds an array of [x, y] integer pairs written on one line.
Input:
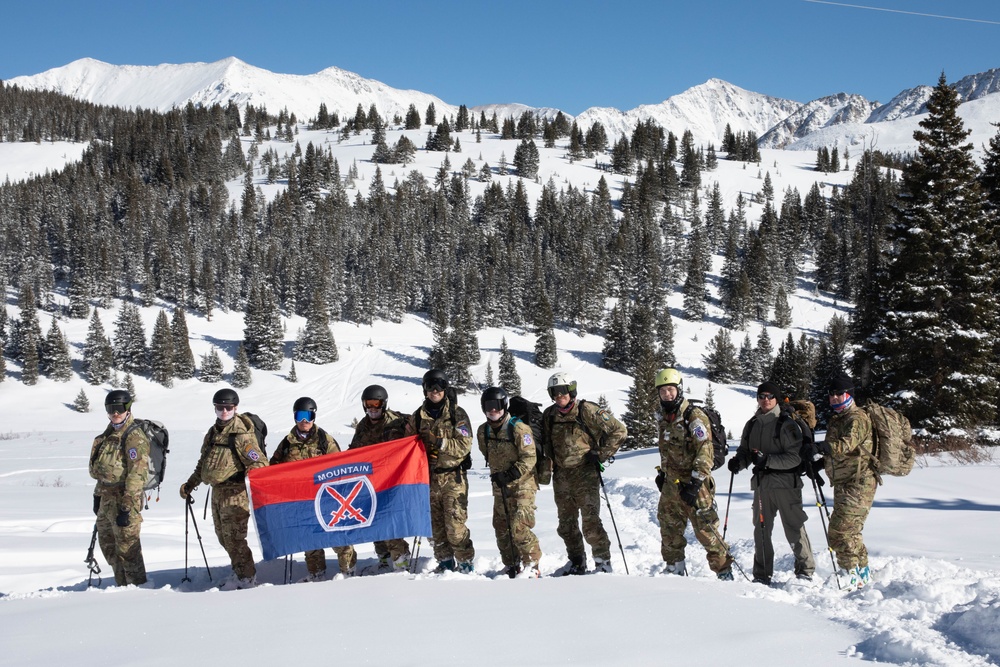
{"points": [[380, 424], [848, 439], [447, 434], [509, 450], [687, 490], [121, 470], [579, 436], [305, 441], [228, 451]]}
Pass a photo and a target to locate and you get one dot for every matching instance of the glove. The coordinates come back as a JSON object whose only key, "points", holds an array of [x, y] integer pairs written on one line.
{"points": [[813, 469], [185, 491], [122, 519], [689, 492], [505, 477], [823, 447], [734, 465], [592, 458], [658, 480], [97, 504], [759, 458]]}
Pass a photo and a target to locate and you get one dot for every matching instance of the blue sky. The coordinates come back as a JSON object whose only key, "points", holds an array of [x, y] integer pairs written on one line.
{"points": [[565, 54]]}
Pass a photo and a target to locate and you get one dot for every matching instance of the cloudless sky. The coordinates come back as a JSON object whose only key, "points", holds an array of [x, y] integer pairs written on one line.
{"points": [[544, 53]]}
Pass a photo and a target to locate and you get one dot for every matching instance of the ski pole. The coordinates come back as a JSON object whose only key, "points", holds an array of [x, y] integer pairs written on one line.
{"points": [[190, 502], [729, 498], [510, 531], [826, 533], [204, 514], [728, 550], [615, 525], [186, 521], [91, 562], [703, 519], [415, 553]]}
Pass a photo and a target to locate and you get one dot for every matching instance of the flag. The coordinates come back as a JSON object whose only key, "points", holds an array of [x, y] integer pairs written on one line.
{"points": [[362, 495]]}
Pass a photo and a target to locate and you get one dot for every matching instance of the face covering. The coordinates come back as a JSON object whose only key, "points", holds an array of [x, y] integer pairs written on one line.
{"points": [[374, 414]]}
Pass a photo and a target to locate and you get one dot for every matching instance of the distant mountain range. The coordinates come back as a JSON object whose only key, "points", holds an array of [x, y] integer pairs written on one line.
{"points": [[840, 119]]}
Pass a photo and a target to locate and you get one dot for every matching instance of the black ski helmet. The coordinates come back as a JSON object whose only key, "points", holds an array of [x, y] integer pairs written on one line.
{"points": [[495, 395], [119, 397], [226, 397], [435, 377], [375, 392], [304, 403]]}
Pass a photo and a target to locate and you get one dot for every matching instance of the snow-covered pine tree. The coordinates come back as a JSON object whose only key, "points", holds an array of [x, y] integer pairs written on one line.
{"points": [[211, 367], [782, 312], [55, 361], [316, 344], [292, 375], [161, 351], [130, 352], [720, 361], [183, 356], [98, 355], [262, 333], [242, 375], [130, 385], [642, 401], [81, 403], [507, 369]]}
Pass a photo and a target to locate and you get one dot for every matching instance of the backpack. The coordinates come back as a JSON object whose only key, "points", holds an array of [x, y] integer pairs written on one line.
{"points": [[892, 453], [720, 448], [799, 412], [523, 410], [159, 440], [259, 430]]}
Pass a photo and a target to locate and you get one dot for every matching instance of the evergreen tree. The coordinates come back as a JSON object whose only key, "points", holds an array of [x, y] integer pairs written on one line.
{"points": [[262, 332], [545, 349], [720, 361], [242, 375], [161, 352], [55, 361], [665, 356], [81, 403], [782, 312], [763, 355], [642, 401], [488, 381], [292, 375], [508, 376], [316, 344], [29, 360], [98, 355], [934, 354], [183, 356], [130, 352], [130, 385], [747, 363], [211, 367]]}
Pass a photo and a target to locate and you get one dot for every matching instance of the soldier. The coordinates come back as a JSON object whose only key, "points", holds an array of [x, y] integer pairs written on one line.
{"points": [[228, 451], [380, 424], [119, 461], [305, 441], [579, 436], [687, 490], [771, 443], [447, 434], [509, 450], [848, 441]]}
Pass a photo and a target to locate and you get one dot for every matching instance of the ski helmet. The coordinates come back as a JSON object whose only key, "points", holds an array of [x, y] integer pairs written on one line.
{"points": [[375, 392], [118, 397], [494, 398], [435, 377], [304, 403], [561, 383], [670, 377], [226, 397]]}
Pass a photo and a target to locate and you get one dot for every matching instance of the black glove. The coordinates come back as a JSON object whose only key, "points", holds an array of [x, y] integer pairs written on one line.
{"points": [[759, 458], [122, 519], [823, 447], [734, 465], [689, 492], [505, 477], [592, 458], [658, 480], [97, 504]]}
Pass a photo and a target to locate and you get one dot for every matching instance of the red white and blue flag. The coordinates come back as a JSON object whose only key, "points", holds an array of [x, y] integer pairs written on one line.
{"points": [[362, 495]]}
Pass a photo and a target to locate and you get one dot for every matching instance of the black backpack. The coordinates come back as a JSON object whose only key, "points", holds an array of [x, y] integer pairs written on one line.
{"points": [[720, 448], [807, 452], [159, 441], [530, 413]]}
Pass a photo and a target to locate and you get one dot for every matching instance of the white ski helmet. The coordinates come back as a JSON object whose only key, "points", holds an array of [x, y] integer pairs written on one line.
{"points": [[562, 382]]}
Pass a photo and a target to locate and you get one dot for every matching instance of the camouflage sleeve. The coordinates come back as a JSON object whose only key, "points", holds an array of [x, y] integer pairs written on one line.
{"points": [[136, 468], [396, 429], [611, 433], [481, 440], [280, 453], [249, 452], [700, 438], [855, 435], [457, 442], [195, 478], [525, 443], [356, 438]]}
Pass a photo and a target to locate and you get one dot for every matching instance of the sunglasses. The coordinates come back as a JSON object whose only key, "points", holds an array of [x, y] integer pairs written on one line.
{"points": [[839, 392], [764, 396], [305, 416], [225, 407], [116, 408]]}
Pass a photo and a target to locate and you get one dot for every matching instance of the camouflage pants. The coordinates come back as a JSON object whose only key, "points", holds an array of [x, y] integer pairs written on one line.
{"points": [[578, 499], [851, 504], [231, 514], [674, 515], [786, 503], [120, 544], [449, 513], [346, 560], [387, 549], [520, 511]]}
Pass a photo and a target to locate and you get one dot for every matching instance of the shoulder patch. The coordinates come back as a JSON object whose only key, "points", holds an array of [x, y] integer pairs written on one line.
{"points": [[252, 454], [133, 454], [529, 441], [604, 414], [464, 431], [698, 430]]}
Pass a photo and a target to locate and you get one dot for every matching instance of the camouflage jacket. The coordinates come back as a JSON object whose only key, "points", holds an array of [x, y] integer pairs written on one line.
{"points": [[585, 427], [391, 427], [456, 439], [501, 452], [219, 462], [685, 447], [849, 436], [293, 448], [121, 467]]}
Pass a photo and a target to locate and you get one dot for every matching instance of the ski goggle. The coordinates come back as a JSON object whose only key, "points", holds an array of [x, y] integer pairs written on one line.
{"points": [[116, 408], [559, 390], [434, 386], [373, 404], [305, 416], [494, 405]]}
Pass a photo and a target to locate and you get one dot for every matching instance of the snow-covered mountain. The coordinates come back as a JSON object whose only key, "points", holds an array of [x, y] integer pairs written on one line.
{"points": [[838, 119]]}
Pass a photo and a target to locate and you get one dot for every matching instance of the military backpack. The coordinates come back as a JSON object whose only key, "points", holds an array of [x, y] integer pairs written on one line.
{"points": [[159, 441], [720, 447], [892, 453], [530, 413]]}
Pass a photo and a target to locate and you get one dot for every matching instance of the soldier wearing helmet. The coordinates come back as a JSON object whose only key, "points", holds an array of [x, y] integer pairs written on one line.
{"points": [[380, 424], [447, 434], [687, 490], [121, 470], [228, 451], [579, 436], [509, 449], [305, 441]]}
